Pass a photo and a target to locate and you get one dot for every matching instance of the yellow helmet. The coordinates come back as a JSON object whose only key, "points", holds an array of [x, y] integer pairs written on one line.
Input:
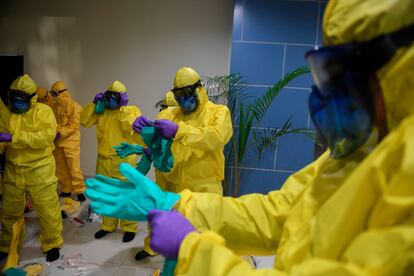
{"points": [[348, 21], [186, 76], [24, 83], [117, 86], [59, 86]]}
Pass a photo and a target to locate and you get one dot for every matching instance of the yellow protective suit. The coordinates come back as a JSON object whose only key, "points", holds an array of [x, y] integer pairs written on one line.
{"points": [[30, 168], [67, 151], [198, 144], [335, 217], [170, 100], [112, 128], [43, 96]]}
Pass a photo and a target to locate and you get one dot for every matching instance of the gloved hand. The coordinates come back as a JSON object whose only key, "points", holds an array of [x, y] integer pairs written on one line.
{"points": [[98, 97], [14, 272], [140, 122], [123, 99], [147, 153], [126, 149], [168, 230], [132, 199], [58, 135], [5, 137], [167, 128]]}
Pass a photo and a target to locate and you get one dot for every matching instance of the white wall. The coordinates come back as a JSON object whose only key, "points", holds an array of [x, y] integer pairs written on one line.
{"points": [[141, 43]]}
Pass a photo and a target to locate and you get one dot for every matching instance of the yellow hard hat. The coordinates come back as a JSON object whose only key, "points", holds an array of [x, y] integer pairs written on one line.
{"points": [[347, 21], [24, 83], [117, 86], [59, 86], [185, 76], [41, 92]]}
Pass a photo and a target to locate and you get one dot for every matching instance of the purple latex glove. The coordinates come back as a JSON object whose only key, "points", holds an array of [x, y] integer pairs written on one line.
{"points": [[167, 128], [5, 137], [168, 230], [98, 97], [147, 152], [123, 99], [57, 136], [140, 122]]}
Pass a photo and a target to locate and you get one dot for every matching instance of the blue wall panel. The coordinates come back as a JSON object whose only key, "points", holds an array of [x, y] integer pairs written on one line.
{"points": [[270, 39]]}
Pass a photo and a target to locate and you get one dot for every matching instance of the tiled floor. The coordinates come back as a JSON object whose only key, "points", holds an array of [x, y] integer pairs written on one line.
{"points": [[82, 254]]}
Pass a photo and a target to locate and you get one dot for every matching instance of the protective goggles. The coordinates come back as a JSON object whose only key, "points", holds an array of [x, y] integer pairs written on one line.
{"points": [[112, 95], [55, 94], [186, 91], [20, 96], [341, 104]]}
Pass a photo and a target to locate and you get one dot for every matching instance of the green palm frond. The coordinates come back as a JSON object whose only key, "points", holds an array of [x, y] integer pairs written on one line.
{"points": [[260, 106], [266, 138]]}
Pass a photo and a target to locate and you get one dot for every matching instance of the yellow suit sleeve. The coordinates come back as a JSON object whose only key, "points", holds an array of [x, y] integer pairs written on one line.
{"points": [[212, 137], [244, 222], [88, 117], [381, 252], [73, 121], [43, 137], [127, 117]]}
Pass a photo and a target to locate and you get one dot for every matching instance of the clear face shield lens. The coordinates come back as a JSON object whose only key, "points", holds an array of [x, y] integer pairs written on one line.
{"points": [[19, 101], [341, 104]]}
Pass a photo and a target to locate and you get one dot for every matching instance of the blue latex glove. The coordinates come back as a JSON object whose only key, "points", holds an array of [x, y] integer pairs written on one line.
{"points": [[132, 199], [140, 122], [166, 128], [168, 230], [5, 137], [126, 149], [123, 101], [98, 97]]}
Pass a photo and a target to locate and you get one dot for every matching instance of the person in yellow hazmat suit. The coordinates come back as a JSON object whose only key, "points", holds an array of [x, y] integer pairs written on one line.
{"points": [[200, 130], [351, 211], [113, 126], [43, 96], [67, 151], [27, 132]]}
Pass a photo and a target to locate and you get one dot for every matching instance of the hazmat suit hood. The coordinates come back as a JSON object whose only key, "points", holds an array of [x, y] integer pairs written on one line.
{"points": [[25, 84], [348, 21], [61, 88]]}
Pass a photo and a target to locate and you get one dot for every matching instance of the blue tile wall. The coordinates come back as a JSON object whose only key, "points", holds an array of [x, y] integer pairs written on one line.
{"points": [[280, 21], [261, 181], [294, 58], [270, 39], [260, 63]]}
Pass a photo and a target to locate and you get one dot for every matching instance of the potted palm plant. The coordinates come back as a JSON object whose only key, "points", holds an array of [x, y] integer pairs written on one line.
{"points": [[247, 133]]}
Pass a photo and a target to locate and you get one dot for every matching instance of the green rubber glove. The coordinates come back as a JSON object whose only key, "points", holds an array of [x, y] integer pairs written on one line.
{"points": [[130, 200], [125, 149], [14, 272], [100, 107], [144, 164]]}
